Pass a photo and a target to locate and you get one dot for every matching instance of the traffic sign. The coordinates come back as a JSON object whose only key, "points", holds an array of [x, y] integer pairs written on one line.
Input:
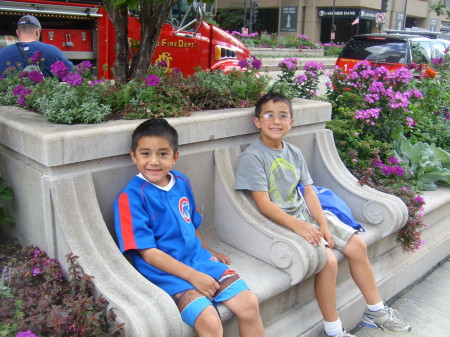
{"points": [[380, 18]]}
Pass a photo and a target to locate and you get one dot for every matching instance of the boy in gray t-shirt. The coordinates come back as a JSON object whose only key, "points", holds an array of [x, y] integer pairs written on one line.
{"points": [[270, 169]]}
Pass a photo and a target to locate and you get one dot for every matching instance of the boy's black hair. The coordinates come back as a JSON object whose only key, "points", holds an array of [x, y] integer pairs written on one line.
{"points": [[157, 127], [275, 97]]}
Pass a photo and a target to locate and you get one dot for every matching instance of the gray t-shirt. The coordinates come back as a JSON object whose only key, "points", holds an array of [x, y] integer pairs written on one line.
{"points": [[278, 172]]}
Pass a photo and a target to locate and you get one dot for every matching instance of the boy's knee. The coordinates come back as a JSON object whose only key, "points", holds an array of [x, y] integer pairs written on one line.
{"points": [[248, 306], [331, 262], [208, 323], [356, 247]]}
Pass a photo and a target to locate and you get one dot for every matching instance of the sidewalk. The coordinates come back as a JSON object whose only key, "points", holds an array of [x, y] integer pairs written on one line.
{"points": [[425, 306]]}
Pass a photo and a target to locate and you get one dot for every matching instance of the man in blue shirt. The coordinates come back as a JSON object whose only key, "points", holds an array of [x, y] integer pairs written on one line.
{"points": [[20, 54]]}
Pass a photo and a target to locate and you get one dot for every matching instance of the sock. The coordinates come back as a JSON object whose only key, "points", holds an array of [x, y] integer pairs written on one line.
{"points": [[332, 328], [376, 307]]}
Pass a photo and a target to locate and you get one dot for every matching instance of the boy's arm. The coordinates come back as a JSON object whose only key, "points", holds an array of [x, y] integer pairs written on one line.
{"points": [[275, 213], [315, 208], [220, 256], [158, 259]]}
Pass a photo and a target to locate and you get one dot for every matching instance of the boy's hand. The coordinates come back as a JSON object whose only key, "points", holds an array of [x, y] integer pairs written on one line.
{"points": [[327, 236], [204, 284], [224, 258], [308, 232]]}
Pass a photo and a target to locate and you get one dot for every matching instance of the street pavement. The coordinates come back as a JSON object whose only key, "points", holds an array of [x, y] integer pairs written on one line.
{"points": [[425, 305]]}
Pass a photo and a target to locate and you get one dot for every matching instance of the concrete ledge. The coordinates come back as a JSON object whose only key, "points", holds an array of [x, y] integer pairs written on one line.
{"points": [[287, 52]]}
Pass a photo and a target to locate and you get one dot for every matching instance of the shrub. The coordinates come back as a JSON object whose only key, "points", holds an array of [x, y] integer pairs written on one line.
{"points": [[6, 193], [372, 108], [301, 86], [38, 300], [263, 40], [78, 97]]}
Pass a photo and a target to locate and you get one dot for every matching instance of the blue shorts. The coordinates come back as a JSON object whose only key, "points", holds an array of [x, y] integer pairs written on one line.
{"points": [[191, 302]]}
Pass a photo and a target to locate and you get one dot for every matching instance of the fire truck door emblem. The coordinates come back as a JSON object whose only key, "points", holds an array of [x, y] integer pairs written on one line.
{"points": [[164, 57]]}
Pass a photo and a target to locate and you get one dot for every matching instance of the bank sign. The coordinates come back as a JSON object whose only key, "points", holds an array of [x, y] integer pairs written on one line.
{"points": [[348, 13]]}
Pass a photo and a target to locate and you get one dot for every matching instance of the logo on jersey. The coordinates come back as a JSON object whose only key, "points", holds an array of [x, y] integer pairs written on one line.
{"points": [[183, 206]]}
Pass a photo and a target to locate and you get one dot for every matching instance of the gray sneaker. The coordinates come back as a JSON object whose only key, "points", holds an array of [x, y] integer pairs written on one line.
{"points": [[385, 319], [342, 334]]}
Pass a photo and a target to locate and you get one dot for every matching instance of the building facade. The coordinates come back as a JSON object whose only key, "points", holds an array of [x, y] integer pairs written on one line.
{"points": [[337, 20]]}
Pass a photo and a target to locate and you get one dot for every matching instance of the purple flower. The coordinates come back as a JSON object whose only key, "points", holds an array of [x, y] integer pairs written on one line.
{"points": [[27, 333], [313, 66], [402, 75], [36, 57], [36, 252], [153, 80], [368, 115], [372, 98], [74, 80], [257, 64], [413, 66], [377, 87], [398, 170], [21, 92], [85, 65], [377, 162], [59, 69], [36, 271], [98, 81], [290, 63], [397, 99], [243, 63], [409, 121], [393, 160], [35, 76], [437, 61], [419, 199], [162, 64], [301, 79]]}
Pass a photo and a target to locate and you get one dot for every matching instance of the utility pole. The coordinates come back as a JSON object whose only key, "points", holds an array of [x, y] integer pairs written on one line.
{"points": [[333, 26], [245, 13], [250, 26]]}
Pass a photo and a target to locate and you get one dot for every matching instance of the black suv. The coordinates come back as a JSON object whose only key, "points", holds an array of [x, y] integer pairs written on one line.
{"points": [[392, 49]]}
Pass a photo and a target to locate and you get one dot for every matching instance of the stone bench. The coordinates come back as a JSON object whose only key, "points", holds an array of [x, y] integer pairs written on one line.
{"points": [[65, 179]]}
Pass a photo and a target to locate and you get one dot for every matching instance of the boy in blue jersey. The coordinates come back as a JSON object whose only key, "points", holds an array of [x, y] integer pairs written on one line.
{"points": [[157, 224], [271, 168]]}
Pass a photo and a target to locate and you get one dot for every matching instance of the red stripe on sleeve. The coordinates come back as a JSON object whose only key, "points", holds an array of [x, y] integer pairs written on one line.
{"points": [[126, 223]]}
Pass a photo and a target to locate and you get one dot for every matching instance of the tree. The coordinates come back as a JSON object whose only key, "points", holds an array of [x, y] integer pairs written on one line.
{"points": [[152, 16], [440, 8]]}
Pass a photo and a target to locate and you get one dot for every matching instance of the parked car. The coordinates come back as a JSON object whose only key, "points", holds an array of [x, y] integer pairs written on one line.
{"points": [[392, 49]]}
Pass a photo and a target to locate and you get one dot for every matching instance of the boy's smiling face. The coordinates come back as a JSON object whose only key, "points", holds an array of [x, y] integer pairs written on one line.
{"points": [[273, 130], [154, 158]]}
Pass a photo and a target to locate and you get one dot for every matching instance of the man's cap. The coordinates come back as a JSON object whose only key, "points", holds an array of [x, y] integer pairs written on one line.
{"points": [[29, 20]]}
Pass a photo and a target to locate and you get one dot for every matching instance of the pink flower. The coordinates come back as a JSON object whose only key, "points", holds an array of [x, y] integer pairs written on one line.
{"points": [[409, 121]]}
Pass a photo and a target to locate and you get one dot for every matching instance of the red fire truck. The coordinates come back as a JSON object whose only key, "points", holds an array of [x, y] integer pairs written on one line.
{"points": [[83, 31]]}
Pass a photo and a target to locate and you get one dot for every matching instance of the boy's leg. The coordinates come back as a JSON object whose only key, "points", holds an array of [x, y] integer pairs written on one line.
{"points": [[208, 323], [325, 288], [245, 306], [235, 294], [198, 311], [361, 270], [376, 315]]}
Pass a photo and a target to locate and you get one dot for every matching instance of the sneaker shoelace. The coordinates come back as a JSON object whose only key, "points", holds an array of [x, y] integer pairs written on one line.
{"points": [[392, 315]]}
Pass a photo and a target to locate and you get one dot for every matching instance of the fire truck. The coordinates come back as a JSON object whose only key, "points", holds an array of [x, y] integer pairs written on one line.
{"points": [[83, 31]]}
